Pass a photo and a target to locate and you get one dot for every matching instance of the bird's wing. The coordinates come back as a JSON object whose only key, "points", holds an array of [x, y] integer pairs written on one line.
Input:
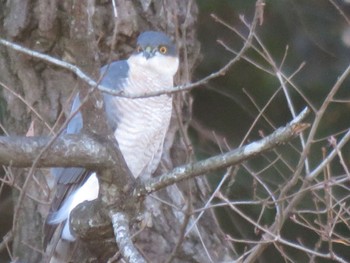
{"points": [[68, 180]]}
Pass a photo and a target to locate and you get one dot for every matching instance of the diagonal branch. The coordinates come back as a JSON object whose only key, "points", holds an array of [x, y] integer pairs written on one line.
{"points": [[280, 136], [80, 150]]}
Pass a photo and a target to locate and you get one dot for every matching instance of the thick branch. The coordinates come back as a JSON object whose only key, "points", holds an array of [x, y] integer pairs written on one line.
{"points": [[78, 150], [280, 136]]}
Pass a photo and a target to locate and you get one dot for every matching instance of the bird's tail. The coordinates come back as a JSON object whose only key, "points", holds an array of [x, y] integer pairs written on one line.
{"points": [[59, 250], [61, 253]]}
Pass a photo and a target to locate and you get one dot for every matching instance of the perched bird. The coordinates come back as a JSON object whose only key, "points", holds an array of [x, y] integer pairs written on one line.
{"points": [[139, 125]]}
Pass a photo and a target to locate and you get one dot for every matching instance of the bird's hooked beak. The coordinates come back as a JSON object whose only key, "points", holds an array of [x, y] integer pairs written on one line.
{"points": [[148, 52]]}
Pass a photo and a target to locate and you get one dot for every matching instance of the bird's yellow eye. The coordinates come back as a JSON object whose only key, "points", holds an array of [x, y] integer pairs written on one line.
{"points": [[163, 49]]}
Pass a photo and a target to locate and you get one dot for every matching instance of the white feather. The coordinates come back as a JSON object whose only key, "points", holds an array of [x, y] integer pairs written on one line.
{"points": [[87, 192]]}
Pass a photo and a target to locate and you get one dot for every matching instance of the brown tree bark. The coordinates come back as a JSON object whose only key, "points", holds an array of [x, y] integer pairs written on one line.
{"points": [[61, 29]]}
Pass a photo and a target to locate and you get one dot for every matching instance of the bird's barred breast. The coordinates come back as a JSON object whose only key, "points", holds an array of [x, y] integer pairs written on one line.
{"points": [[141, 131]]}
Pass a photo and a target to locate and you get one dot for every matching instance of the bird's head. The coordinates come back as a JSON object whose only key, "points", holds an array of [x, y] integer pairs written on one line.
{"points": [[156, 52]]}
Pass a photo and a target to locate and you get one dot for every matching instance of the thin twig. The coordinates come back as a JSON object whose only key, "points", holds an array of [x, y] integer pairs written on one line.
{"points": [[28, 105], [181, 238], [213, 195], [275, 227], [7, 238]]}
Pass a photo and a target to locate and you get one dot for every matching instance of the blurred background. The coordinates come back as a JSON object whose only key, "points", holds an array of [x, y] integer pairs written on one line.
{"points": [[314, 32], [309, 40]]}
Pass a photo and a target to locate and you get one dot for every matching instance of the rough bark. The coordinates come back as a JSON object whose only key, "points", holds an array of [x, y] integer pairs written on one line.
{"points": [[53, 27], [66, 150]]}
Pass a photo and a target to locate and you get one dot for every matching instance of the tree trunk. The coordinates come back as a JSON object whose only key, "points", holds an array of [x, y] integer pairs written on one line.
{"points": [[47, 26]]}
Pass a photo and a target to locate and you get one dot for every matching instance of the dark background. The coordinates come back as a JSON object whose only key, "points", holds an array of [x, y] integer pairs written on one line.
{"points": [[312, 30], [316, 34]]}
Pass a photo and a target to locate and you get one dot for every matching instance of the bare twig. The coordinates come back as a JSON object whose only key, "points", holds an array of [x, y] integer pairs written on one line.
{"points": [[329, 158], [28, 105], [270, 237], [281, 78], [6, 240], [181, 238], [341, 12], [213, 195], [312, 133], [277, 225]]}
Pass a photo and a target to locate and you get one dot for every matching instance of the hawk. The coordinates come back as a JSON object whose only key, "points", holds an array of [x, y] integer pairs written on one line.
{"points": [[139, 125]]}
